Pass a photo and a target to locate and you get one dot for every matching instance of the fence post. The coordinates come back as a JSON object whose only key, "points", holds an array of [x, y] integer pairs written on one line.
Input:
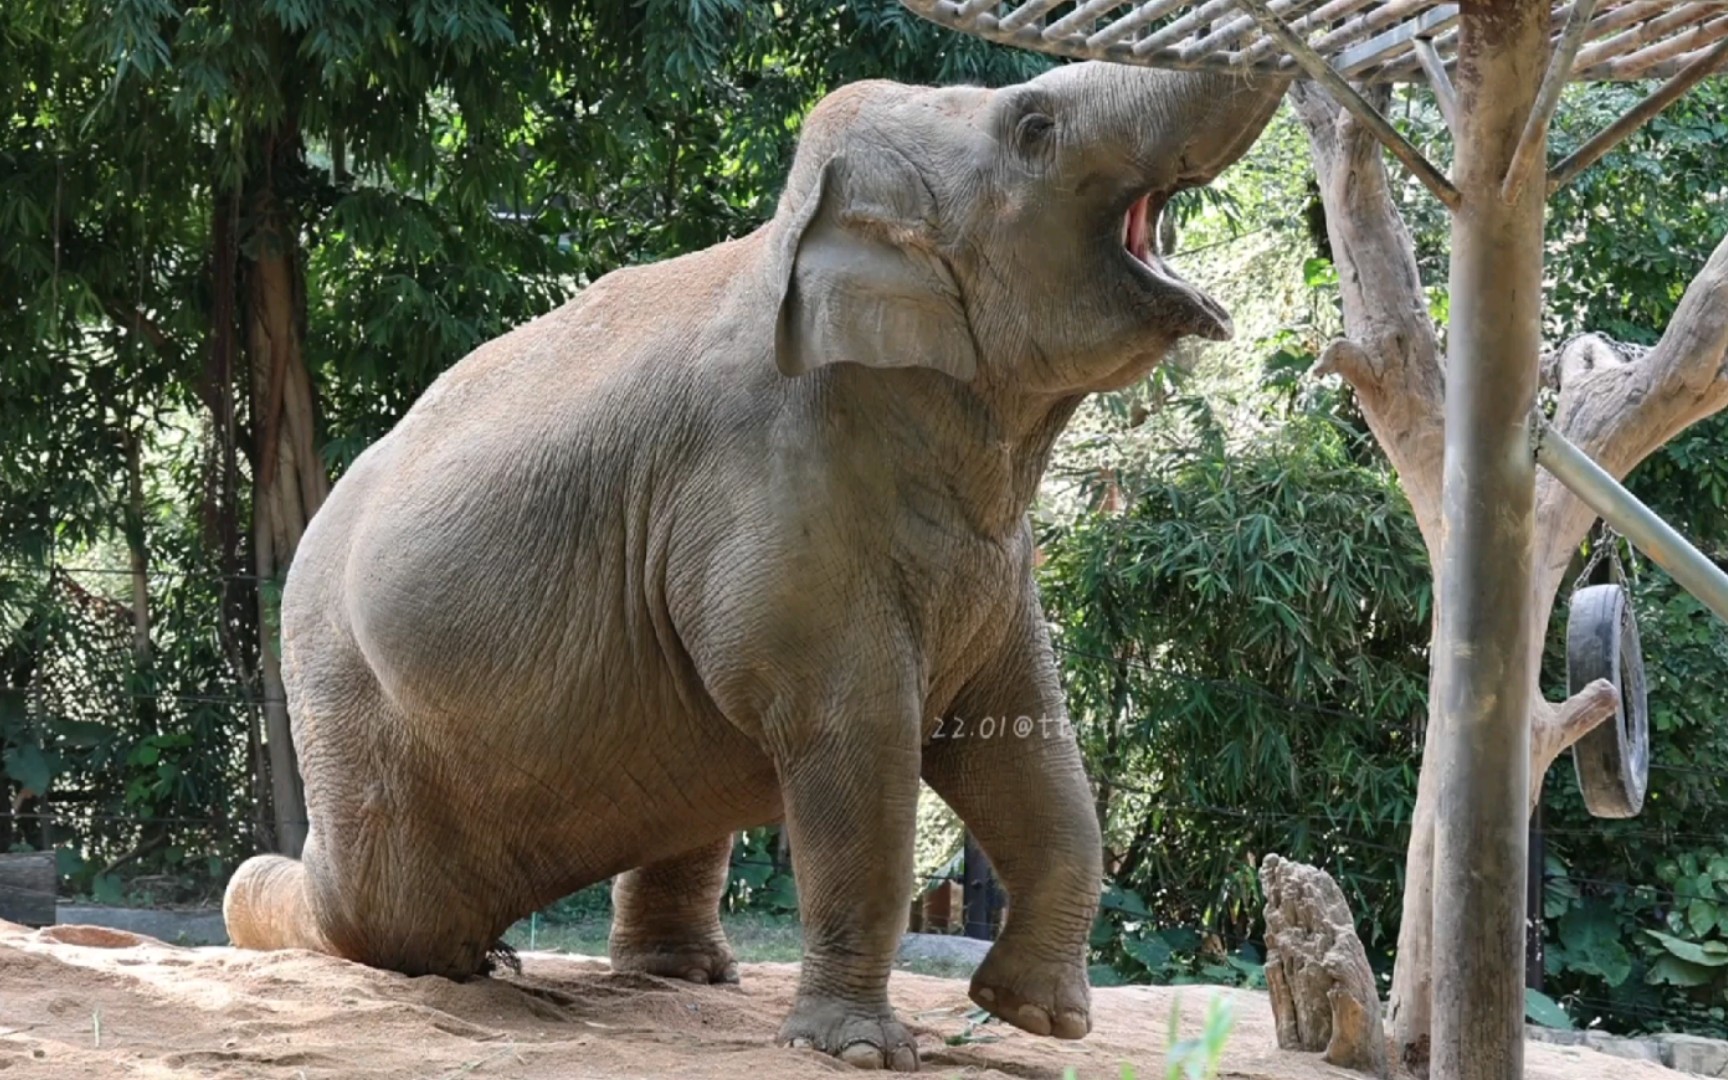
{"points": [[982, 897], [1534, 886]]}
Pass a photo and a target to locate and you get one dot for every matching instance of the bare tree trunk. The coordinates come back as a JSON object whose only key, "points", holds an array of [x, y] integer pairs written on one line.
{"points": [[1618, 410], [289, 483]]}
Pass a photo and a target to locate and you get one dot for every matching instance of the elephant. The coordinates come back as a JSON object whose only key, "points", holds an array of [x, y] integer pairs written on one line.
{"points": [[725, 540]]}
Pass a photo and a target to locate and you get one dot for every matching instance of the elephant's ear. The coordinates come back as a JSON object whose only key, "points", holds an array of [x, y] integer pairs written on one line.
{"points": [[861, 286]]}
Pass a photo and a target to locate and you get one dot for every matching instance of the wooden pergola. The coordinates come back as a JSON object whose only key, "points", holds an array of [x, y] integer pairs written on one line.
{"points": [[1497, 69]]}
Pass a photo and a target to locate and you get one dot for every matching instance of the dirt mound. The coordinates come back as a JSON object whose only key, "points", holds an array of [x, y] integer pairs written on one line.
{"points": [[80, 1003]]}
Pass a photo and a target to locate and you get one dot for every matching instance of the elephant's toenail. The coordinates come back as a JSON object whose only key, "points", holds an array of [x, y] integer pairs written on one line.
{"points": [[984, 995], [695, 975], [905, 1059], [1033, 1019], [862, 1055], [801, 1044], [1072, 1024]]}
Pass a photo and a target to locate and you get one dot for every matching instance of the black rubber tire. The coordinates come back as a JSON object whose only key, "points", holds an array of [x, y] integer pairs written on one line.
{"points": [[1613, 760]]}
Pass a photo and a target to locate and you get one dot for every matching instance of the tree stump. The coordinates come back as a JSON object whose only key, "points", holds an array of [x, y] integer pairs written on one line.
{"points": [[1323, 992]]}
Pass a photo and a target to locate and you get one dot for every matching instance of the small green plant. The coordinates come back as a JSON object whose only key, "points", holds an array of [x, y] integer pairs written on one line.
{"points": [[1189, 1059], [1197, 1058], [975, 1020]]}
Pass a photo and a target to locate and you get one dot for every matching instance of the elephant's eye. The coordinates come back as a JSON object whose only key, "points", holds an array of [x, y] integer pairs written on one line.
{"points": [[1032, 128]]}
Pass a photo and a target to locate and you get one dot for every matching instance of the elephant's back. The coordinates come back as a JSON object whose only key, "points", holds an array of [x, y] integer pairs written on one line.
{"points": [[497, 547]]}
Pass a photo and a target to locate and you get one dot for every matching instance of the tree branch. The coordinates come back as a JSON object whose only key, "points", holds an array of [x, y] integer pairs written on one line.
{"points": [[1620, 410], [1555, 728], [1392, 356]]}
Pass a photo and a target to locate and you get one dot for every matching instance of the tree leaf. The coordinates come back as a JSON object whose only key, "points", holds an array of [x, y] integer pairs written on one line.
{"points": [[32, 768], [1706, 953], [1677, 972], [1150, 950], [1701, 917], [1539, 1008]]}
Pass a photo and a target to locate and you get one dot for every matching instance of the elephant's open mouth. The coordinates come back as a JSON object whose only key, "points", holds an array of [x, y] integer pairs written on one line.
{"points": [[1139, 242], [1138, 222]]}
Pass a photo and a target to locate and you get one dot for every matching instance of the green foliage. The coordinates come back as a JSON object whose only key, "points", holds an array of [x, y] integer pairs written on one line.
{"points": [[1197, 1058], [1244, 653], [761, 880], [1541, 1009], [437, 171]]}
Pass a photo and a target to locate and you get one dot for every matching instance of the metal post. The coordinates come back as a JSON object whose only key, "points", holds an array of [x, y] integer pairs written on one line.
{"points": [[980, 897], [1485, 651], [1534, 887], [1688, 566]]}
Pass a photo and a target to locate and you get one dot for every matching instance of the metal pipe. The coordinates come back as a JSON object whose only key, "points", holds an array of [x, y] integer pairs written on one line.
{"points": [[1688, 566], [1488, 644]]}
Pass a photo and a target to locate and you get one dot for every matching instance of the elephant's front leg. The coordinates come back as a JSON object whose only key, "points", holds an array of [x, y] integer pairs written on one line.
{"points": [[1017, 783], [666, 917], [849, 777]]}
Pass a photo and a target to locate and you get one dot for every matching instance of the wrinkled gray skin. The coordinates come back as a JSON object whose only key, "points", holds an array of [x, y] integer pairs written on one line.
{"points": [[714, 544]]}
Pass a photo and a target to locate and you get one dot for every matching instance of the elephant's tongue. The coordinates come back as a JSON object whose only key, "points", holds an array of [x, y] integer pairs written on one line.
{"points": [[1136, 233]]}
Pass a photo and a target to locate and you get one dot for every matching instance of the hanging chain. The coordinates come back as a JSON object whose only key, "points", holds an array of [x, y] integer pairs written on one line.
{"points": [[1606, 544]]}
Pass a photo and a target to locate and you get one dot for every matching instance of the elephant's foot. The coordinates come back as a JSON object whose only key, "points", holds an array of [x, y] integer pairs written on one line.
{"points": [[1033, 994], [698, 958], [868, 1037]]}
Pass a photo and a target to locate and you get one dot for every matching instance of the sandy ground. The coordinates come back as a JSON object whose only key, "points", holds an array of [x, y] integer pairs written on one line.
{"points": [[82, 1002]]}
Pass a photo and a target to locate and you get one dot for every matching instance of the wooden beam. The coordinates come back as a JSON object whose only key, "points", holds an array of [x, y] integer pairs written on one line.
{"points": [[1440, 81], [1321, 72], [1140, 16], [1535, 138], [1636, 65], [1645, 33], [1325, 13], [1083, 16], [1169, 35], [1234, 29], [1354, 60], [1640, 114], [1026, 13]]}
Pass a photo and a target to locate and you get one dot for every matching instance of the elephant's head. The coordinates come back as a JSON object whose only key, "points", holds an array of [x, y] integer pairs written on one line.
{"points": [[1006, 237]]}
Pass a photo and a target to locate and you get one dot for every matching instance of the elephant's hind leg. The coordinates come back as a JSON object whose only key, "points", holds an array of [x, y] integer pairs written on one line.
{"points": [[268, 906], [666, 917]]}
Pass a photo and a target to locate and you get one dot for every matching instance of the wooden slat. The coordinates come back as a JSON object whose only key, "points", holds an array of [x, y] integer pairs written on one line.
{"points": [[1635, 65], [1710, 62], [1605, 22], [1168, 35], [1228, 34], [1150, 11], [1266, 48], [1081, 19], [1366, 40], [1385, 46], [1026, 13]]}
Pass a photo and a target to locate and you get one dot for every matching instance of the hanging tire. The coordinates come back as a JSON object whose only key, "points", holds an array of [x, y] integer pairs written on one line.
{"points": [[1613, 760]]}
